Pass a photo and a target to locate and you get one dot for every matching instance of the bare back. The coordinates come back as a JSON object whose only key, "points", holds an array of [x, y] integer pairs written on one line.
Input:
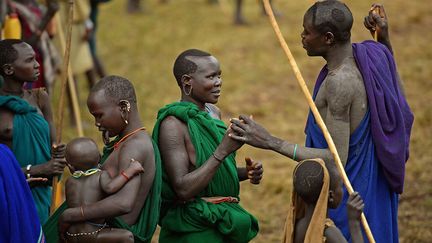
{"points": [[83, 191]]}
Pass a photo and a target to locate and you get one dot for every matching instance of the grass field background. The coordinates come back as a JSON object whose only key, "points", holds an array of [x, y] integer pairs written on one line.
{"points": [[257, 80]]}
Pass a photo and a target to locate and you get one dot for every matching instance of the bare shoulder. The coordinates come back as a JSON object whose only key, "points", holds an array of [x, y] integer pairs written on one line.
{"points": [[71, 183], [41, 96], [213, 110], [334, 235], [340, 93], [171, 126], [139, 147]]}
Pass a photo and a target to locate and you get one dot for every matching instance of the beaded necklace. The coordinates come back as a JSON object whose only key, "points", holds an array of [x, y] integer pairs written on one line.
{"points": [[78, 173], [117, 144]]}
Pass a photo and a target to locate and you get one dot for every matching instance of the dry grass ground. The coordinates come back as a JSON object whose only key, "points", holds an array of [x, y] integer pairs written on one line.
{"points": [[259, 81]]}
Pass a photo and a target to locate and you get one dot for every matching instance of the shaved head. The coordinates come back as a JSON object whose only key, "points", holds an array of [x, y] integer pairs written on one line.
{"points": [[331, 16], [116, 88], [82, 153]]}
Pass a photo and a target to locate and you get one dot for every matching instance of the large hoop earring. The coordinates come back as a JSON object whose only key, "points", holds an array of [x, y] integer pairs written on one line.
{"points": [[190, 90]]}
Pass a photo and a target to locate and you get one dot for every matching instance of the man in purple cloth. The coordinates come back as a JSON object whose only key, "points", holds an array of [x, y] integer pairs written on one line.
{"points": [[360, 98]]}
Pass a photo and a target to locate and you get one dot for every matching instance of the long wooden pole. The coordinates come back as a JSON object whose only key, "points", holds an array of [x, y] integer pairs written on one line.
{"points": [[64, 78], [315, 112], [71, 84]]}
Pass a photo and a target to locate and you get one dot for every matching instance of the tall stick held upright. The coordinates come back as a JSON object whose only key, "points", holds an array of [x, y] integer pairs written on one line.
{"points": [[64, 77]]}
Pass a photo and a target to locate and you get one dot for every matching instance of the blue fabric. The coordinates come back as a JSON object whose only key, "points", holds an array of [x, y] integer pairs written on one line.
{"points": [[31, 144], [19, 219]]}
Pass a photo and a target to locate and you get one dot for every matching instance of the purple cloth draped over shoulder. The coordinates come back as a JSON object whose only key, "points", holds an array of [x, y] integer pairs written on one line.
{"points": [[391, 117]]}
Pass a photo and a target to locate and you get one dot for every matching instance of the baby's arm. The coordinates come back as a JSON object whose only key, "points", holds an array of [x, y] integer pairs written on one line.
{"points": [[111, 186], [355, 207]]}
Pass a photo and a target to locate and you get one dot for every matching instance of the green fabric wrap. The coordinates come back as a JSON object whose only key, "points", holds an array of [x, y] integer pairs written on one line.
{"points": [[146, 223], [198, 220], [31, 144]]}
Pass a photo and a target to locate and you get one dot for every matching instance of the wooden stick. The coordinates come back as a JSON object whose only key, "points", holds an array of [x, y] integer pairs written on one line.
{"points": [[314, 110], [61, 101], [71, 84]]}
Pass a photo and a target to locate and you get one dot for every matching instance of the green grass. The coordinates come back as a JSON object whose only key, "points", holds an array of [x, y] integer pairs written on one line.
{"points": [[259, 81]]}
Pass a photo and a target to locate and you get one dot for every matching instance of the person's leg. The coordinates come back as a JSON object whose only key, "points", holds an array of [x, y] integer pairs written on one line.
{"points": [[113, 235], [238, 16], [134, 6], [91, 79]]}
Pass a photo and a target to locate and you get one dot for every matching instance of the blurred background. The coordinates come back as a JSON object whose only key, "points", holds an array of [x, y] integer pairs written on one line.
{"points": [[257, 80]]}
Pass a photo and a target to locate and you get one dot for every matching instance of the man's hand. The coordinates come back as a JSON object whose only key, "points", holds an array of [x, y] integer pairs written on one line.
{"points": [[355, 206], [254, 171], [376, 21], [246, 130]]}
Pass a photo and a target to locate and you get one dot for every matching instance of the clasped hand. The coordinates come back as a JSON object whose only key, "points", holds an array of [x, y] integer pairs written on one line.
{"points": [[246, 130], [56, 165]]}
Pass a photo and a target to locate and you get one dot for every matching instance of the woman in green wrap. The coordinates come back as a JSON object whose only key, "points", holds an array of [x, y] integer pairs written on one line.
{"points": [[26, 121], [200, 180]]}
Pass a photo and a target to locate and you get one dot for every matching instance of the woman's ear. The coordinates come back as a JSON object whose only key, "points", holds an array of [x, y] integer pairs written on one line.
{"points": [[186, 80], [8, 69], [186, 84], [125, 105]]}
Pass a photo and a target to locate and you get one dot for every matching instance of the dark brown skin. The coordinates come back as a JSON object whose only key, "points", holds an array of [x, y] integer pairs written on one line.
{"points": [[177, 150], [90, 189], [26, 69], [341, 100], [128, 201]]}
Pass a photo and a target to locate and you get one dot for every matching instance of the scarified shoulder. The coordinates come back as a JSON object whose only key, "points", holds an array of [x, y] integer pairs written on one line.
{"points": [[173, 134], [340, 93], [171, 126]]}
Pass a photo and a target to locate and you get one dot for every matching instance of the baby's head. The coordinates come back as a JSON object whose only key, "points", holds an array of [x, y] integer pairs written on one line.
{"points": [[82, 154], [308, 181]]}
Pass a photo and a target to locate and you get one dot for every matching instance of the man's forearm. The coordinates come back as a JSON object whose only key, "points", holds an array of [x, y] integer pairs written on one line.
{"points": [[297, 152]]}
